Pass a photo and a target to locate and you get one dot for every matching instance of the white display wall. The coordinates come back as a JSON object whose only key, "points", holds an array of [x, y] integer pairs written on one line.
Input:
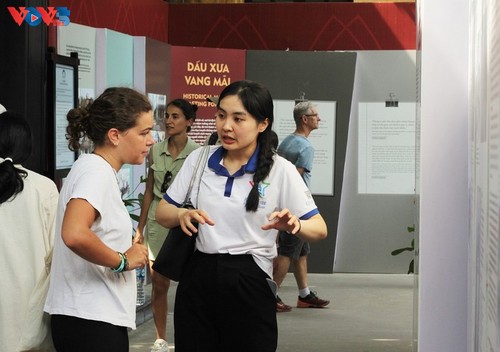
{"points": [[484, 243], [444, 175]]}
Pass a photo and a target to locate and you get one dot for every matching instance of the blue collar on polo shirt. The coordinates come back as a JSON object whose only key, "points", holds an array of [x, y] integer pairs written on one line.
{"points": [[214, 163]]}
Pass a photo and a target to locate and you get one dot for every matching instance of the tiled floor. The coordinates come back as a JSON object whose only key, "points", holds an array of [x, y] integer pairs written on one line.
{"points": [[368, 313]]}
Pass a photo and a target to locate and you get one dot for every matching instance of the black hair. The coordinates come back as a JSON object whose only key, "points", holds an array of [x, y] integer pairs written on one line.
{"points": [[274, 140], [15, 144], [116, 107], [187, 108], [212, 140], [258, 102]]}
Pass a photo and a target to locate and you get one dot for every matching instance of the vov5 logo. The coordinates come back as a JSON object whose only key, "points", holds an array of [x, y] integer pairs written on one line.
{"points": [[52, 16]]}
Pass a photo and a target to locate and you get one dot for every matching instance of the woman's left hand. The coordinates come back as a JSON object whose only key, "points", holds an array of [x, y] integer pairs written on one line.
{"points": [[283, 220]]}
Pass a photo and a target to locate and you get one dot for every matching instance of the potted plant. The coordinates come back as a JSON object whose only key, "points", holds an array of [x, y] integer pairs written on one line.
{"points": [[411, 248]]}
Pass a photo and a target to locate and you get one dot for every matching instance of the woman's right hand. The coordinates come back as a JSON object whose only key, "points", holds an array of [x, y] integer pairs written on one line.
{"points": [[137, 256], [188, 216], [169, 216]]}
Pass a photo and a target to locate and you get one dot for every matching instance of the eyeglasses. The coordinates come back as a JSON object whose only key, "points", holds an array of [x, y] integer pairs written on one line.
{"points": [[311, 115], [166, 181]]}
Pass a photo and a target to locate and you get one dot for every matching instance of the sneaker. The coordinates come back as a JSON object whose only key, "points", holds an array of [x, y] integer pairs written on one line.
{"points": [[281, 307], [312, 301], [160, 346]]}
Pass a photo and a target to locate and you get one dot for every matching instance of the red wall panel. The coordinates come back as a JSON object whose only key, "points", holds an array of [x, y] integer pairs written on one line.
{"points": [[294, 26], [257, 26], [146, 18], [197, 73]]}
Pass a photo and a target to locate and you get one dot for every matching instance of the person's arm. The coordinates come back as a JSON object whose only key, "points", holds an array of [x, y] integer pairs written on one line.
{"points": [[167, 214], [77, 235], [310, 230], [305, 161], [146, 203]]}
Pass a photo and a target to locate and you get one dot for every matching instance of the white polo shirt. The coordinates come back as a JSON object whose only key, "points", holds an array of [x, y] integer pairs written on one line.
{"points": [[223, 197]]}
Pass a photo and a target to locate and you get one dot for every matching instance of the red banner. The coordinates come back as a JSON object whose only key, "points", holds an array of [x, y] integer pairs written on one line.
{"points": [[198, 73]]}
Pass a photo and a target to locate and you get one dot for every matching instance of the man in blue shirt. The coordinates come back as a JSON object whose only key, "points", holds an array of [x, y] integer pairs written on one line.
{"points": [[300, 152]]}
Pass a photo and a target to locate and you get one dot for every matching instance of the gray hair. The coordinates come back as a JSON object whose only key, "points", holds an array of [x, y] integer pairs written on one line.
{"points": [[302, 108]]}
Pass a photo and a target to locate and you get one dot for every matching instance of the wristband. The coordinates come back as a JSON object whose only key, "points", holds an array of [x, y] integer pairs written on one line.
{"points": [[123, 264], [126, 262]]}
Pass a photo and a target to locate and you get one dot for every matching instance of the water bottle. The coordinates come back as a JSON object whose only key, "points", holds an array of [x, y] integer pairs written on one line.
{"points": [[141, 279]]}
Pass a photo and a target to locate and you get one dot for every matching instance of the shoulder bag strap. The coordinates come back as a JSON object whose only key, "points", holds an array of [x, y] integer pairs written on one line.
{"points": [[202, 160]]}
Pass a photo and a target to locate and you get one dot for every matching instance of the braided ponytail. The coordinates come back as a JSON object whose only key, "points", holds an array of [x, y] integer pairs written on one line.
{"points": [[265, 162]]}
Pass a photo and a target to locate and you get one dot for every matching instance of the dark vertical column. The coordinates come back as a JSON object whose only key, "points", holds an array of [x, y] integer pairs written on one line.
{"points": [[22, 76], [327, 76]]}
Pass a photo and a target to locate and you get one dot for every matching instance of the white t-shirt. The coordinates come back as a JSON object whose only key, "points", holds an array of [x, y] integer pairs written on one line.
{"points": [[223, 197], [77, 287]]}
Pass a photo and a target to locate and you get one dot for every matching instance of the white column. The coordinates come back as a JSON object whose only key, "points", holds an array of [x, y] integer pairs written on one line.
{"points": [[444, 214]]}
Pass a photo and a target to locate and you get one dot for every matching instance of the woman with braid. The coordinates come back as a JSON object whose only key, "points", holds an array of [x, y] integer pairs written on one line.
{"points": [[225, 300]]}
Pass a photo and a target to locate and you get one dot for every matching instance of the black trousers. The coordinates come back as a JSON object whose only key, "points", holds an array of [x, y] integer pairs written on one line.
{"points": [[72, 334], [224, 303]]}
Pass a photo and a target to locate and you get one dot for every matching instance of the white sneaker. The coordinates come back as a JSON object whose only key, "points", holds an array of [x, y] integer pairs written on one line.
{"points": [[160, 346]]}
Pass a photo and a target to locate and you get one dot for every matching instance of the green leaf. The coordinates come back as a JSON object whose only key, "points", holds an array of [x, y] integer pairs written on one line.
{"points": [[134, 203], [401, 250], [134, 217], [411, 267], [128, 202]]}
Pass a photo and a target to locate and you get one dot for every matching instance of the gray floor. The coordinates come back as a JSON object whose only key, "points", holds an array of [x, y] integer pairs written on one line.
{"points": [[367, 313]]}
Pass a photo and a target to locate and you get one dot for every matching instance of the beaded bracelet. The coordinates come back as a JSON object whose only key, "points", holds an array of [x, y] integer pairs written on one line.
{"points": [[126, 262], [123, 264]]}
